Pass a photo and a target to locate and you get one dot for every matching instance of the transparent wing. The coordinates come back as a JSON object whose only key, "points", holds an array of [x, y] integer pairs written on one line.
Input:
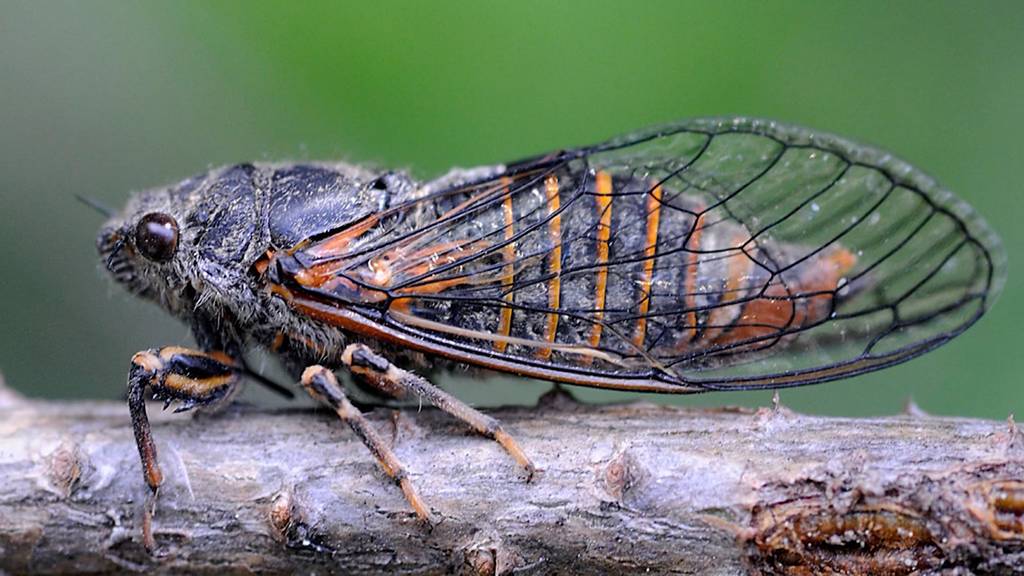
{"points": [[721, 253]]}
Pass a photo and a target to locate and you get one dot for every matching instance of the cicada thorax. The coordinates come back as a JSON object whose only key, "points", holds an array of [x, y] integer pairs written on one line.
{"points": [[574, 266]]}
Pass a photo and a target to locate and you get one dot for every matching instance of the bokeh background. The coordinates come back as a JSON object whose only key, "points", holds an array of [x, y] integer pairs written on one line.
{"points": [[103, 98]]}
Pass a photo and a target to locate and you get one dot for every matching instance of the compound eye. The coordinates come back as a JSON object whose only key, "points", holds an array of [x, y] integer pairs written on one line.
{"points": [[156, 236]]}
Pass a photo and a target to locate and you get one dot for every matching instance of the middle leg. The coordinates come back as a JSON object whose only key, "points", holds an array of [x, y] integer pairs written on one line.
{"points": [[323, 386]]}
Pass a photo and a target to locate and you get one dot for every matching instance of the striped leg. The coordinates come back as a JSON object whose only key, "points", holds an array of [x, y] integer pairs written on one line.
{"points": [[322, 385], [394, 381], [191, 377]]}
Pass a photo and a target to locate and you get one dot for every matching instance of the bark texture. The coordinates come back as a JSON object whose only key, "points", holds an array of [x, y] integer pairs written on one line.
{"points": [[626, 488]]}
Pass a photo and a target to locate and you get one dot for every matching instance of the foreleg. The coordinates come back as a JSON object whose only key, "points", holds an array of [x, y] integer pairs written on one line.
{"points": [[172, 373]]}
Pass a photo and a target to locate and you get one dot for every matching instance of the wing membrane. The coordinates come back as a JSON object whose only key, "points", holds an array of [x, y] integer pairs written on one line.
{"points": [[704, 255]]}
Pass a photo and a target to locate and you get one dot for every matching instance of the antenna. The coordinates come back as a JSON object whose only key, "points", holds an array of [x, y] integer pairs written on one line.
{"points": [[96, 205]]}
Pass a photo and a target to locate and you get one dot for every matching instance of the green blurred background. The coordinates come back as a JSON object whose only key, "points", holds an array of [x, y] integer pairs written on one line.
{"points": [[103, 98]]}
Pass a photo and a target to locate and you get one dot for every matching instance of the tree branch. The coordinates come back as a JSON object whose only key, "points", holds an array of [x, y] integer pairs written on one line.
{"points": [[624, 488]]}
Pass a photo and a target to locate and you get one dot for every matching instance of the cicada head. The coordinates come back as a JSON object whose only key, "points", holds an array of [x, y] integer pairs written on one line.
{"points": [[182, 243], [194, 243]]}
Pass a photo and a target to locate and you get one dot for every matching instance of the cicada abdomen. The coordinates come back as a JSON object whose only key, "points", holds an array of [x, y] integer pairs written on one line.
{"points": [[712, 254]]}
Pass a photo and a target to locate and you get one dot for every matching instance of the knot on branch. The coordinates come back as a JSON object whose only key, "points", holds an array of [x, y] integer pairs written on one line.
{"points": [[64, 467], [489, 555], [622, 474]]}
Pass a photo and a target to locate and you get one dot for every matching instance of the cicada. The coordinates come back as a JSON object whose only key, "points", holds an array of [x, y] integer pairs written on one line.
{"points": [[713, 254]]}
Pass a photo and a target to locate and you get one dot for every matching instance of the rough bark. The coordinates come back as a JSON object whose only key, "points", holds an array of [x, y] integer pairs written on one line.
{"points": [[627, 488]]}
